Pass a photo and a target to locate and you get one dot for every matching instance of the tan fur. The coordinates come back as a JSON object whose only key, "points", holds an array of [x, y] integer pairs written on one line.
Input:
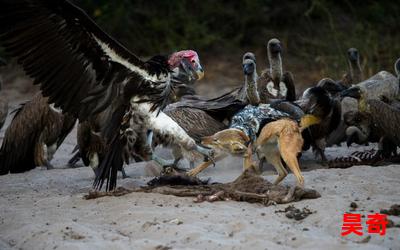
{"points": [[278, 139], [289, 140], [227, 141]]}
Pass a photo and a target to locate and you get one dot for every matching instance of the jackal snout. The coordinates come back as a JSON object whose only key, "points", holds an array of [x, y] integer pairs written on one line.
{"points": [[233, 141]]}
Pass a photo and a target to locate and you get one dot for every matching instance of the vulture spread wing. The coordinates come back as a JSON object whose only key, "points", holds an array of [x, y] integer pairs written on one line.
{"points": [[220, 108], [81, 68], [78, 66], [386, 117]]}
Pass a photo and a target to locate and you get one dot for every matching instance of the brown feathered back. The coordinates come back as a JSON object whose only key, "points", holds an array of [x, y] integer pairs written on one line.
{"points": [[386, 117], [34, 123], [195, 122]]}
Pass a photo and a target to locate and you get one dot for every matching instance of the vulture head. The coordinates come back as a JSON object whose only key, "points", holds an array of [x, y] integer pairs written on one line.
{"points": [[316, 101], [249, 64], [333, 88], [352, 55], [274, 47], [186, 66]]}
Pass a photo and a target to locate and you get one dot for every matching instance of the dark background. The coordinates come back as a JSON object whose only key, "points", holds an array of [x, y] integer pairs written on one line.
{"points": [[315, 33]]}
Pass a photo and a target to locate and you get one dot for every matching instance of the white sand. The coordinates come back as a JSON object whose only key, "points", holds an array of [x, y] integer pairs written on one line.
{"points": [[44, 209]]}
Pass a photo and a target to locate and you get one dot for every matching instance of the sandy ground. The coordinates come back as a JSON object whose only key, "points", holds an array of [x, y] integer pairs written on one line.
{"points": [[44, 209]]}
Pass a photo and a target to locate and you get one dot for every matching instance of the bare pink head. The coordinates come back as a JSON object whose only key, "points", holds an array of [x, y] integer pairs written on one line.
{"points": [[187, 56]]}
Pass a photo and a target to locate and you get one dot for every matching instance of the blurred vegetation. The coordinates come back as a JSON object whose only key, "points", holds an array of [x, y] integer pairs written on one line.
{"points": [[316, 33]]}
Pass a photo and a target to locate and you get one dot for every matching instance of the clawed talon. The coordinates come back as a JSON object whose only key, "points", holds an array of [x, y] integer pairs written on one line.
{"points": [[49, 166], [209, 153]]}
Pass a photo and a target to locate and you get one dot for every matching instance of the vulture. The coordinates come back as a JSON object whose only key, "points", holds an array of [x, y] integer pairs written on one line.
{"points": [[34, 135], [318, 102], [381, 84], [382, 117], [248, 92], [3, 101], [273, 82], [83, 71], [92, 145], [355, 74], [362, 130]]}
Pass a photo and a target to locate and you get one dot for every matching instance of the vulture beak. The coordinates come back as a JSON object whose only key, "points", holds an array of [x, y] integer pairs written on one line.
{"points": [[248, 68], [353, 54], [195, 69], [199, 71], [354, 92]]}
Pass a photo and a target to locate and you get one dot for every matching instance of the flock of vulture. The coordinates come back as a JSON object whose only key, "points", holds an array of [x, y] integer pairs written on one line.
{"points": [[126, 106]]}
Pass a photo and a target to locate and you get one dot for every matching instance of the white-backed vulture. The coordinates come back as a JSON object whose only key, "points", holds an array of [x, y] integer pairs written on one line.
{"points": [[274, 83], [34, 135], [384, 118]]}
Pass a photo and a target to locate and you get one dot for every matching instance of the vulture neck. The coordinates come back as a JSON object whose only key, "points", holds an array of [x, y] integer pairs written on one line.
{"points": [[355, 71], [275, 62], [251, 89]]}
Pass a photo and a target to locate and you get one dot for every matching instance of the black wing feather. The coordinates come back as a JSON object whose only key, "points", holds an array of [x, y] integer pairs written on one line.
{"points": [[56, 44]]}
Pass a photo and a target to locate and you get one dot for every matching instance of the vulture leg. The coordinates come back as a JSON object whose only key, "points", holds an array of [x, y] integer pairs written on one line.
{"points": [[41, 155], [124, 175], [51, 150], [154, 157], [74, 160], [94, 161]]}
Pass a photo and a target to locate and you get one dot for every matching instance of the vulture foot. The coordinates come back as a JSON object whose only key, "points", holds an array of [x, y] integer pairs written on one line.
{"points": [[124, 175], [72, 162], [49, 166]]}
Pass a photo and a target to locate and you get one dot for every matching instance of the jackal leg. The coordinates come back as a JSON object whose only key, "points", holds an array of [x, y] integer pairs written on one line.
{"points": [[289, 146], [248, 160], [276, 161], [195, 171]]}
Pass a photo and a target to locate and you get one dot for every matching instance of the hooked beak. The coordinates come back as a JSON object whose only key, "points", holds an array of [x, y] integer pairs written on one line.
{"points": [[351, 92], [276, 48], [200, 73], [248, 68], [196, 71]]}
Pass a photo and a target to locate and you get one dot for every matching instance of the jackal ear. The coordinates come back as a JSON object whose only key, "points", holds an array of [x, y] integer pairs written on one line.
{"points": [[245, 137]]}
